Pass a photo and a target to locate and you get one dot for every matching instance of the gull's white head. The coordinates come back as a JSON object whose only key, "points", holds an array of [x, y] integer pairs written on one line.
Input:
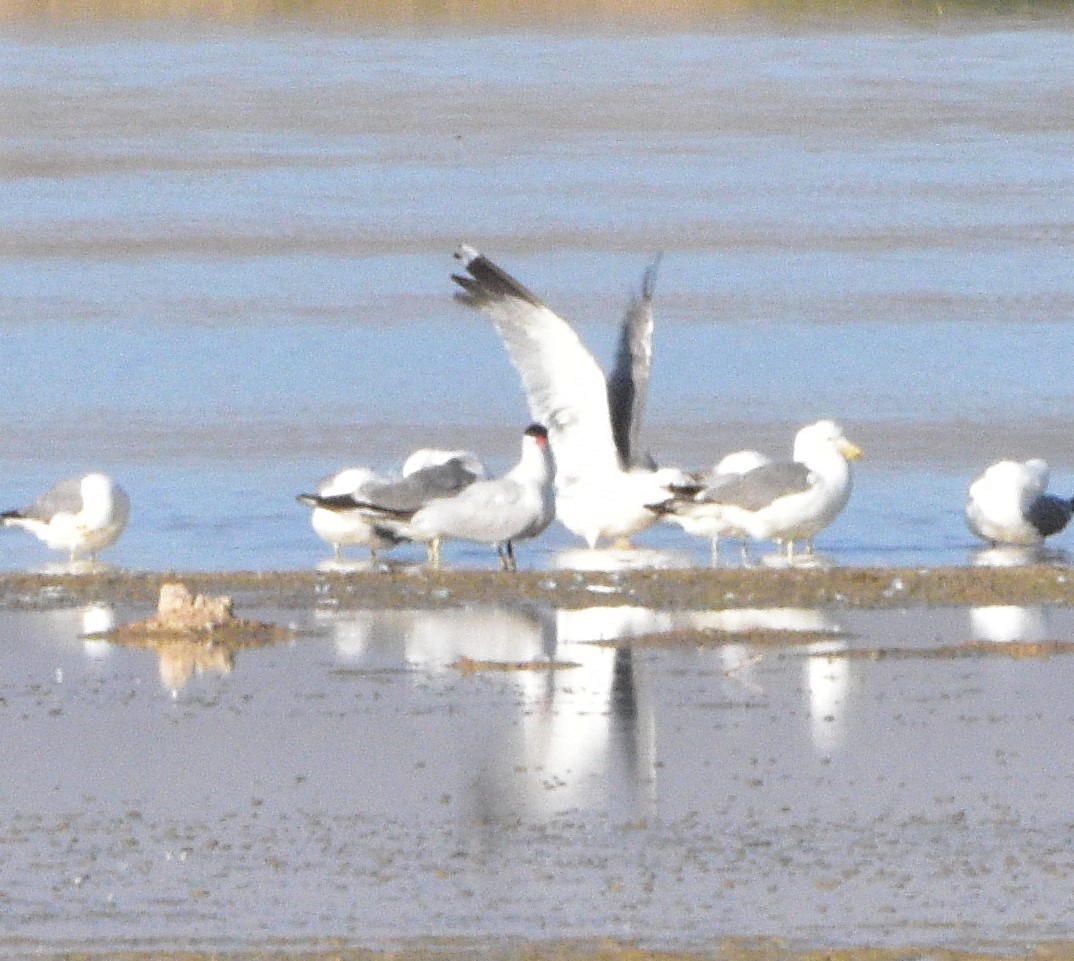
{"points": [[824, 436]]}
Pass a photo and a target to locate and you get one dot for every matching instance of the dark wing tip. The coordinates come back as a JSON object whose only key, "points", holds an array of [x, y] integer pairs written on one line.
{"points": [[648, 283], [489, 282]]}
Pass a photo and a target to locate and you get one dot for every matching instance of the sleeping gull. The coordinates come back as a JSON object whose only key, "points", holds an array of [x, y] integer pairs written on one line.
{"points": [[337, 520], [1009, 504], [81, 516], [499, 512], [789, 501], [702, 515], [347, 528], [360, 508], [603, 481]]}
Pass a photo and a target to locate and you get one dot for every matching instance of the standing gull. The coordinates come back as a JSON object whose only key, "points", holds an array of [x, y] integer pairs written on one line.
{"points": [[604, 482], [81, 516], [365, 509], [788, 501], [702, 515], [1009, 504], [499, 512]]}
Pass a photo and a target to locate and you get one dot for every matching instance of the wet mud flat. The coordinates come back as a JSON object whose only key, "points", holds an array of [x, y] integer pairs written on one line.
{"points": [[696, 588], [749, 778]]}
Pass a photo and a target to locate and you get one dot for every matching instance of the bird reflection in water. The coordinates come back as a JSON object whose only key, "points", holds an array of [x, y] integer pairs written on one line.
{"points": [[1009, 624]]}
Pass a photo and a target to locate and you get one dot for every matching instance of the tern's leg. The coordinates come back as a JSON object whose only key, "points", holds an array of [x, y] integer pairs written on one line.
{"points": [[434, 553], [511, 562], [715, 552], [338, 551]]}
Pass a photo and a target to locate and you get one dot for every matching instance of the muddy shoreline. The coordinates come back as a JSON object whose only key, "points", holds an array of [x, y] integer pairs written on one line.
{"points": [[687, 589], [728, 949]]}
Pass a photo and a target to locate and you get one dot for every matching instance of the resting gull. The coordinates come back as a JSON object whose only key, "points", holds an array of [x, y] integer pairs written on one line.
{"points": [[81, 516], [702, 515], [347, 528], [604, 482], [788, 501], [1009, 504], [357, 507]]}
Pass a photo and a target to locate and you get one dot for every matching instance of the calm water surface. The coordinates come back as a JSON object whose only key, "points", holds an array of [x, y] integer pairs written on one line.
{"points": [[226, 260], [353, 784]]}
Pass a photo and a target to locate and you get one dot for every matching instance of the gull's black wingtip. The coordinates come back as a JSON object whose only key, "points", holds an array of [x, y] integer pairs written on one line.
{"points": [[648, 284], [487, 282]]}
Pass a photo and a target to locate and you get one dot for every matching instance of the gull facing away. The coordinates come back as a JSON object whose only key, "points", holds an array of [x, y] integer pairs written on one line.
{"points": [[357, 507], [788, 501], [347, 528], [499, 512], [604, 482], [80, 516], [702, 515], [1009, 504]]}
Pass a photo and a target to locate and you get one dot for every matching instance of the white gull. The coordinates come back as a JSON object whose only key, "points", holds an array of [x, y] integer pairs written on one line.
{"points": [[1009, 504], [80, 516], [789, 501]]}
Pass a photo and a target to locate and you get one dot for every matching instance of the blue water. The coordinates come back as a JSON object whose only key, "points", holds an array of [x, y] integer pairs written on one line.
{"points": [[226, 261]]}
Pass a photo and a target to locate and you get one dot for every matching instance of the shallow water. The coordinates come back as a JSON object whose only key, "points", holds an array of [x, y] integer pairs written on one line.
{"points": [[353, 784], [226, 259]]}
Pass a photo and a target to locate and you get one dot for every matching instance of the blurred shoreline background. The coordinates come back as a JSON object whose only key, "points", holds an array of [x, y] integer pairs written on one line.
{"points": [[544, 14]]}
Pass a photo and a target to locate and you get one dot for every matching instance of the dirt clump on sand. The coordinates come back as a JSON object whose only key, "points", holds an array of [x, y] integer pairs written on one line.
{"points": [[183, 616]]}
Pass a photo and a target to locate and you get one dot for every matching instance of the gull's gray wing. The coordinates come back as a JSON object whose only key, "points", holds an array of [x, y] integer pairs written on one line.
{"points": [[628, 385], [405, 496], [64, 497], [760, 487], [565, 387]]}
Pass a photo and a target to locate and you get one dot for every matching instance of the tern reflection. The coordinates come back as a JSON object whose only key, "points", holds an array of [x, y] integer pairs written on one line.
{"points": [[1008, 623], [575, 732]]}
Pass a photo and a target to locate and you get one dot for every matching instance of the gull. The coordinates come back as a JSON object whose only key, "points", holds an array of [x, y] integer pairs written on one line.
{"points": [[788, 501], [702, 515], [338, 520], [1009, 504], [340, 525], [81, 516], [499, 512], [604, 482]]}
